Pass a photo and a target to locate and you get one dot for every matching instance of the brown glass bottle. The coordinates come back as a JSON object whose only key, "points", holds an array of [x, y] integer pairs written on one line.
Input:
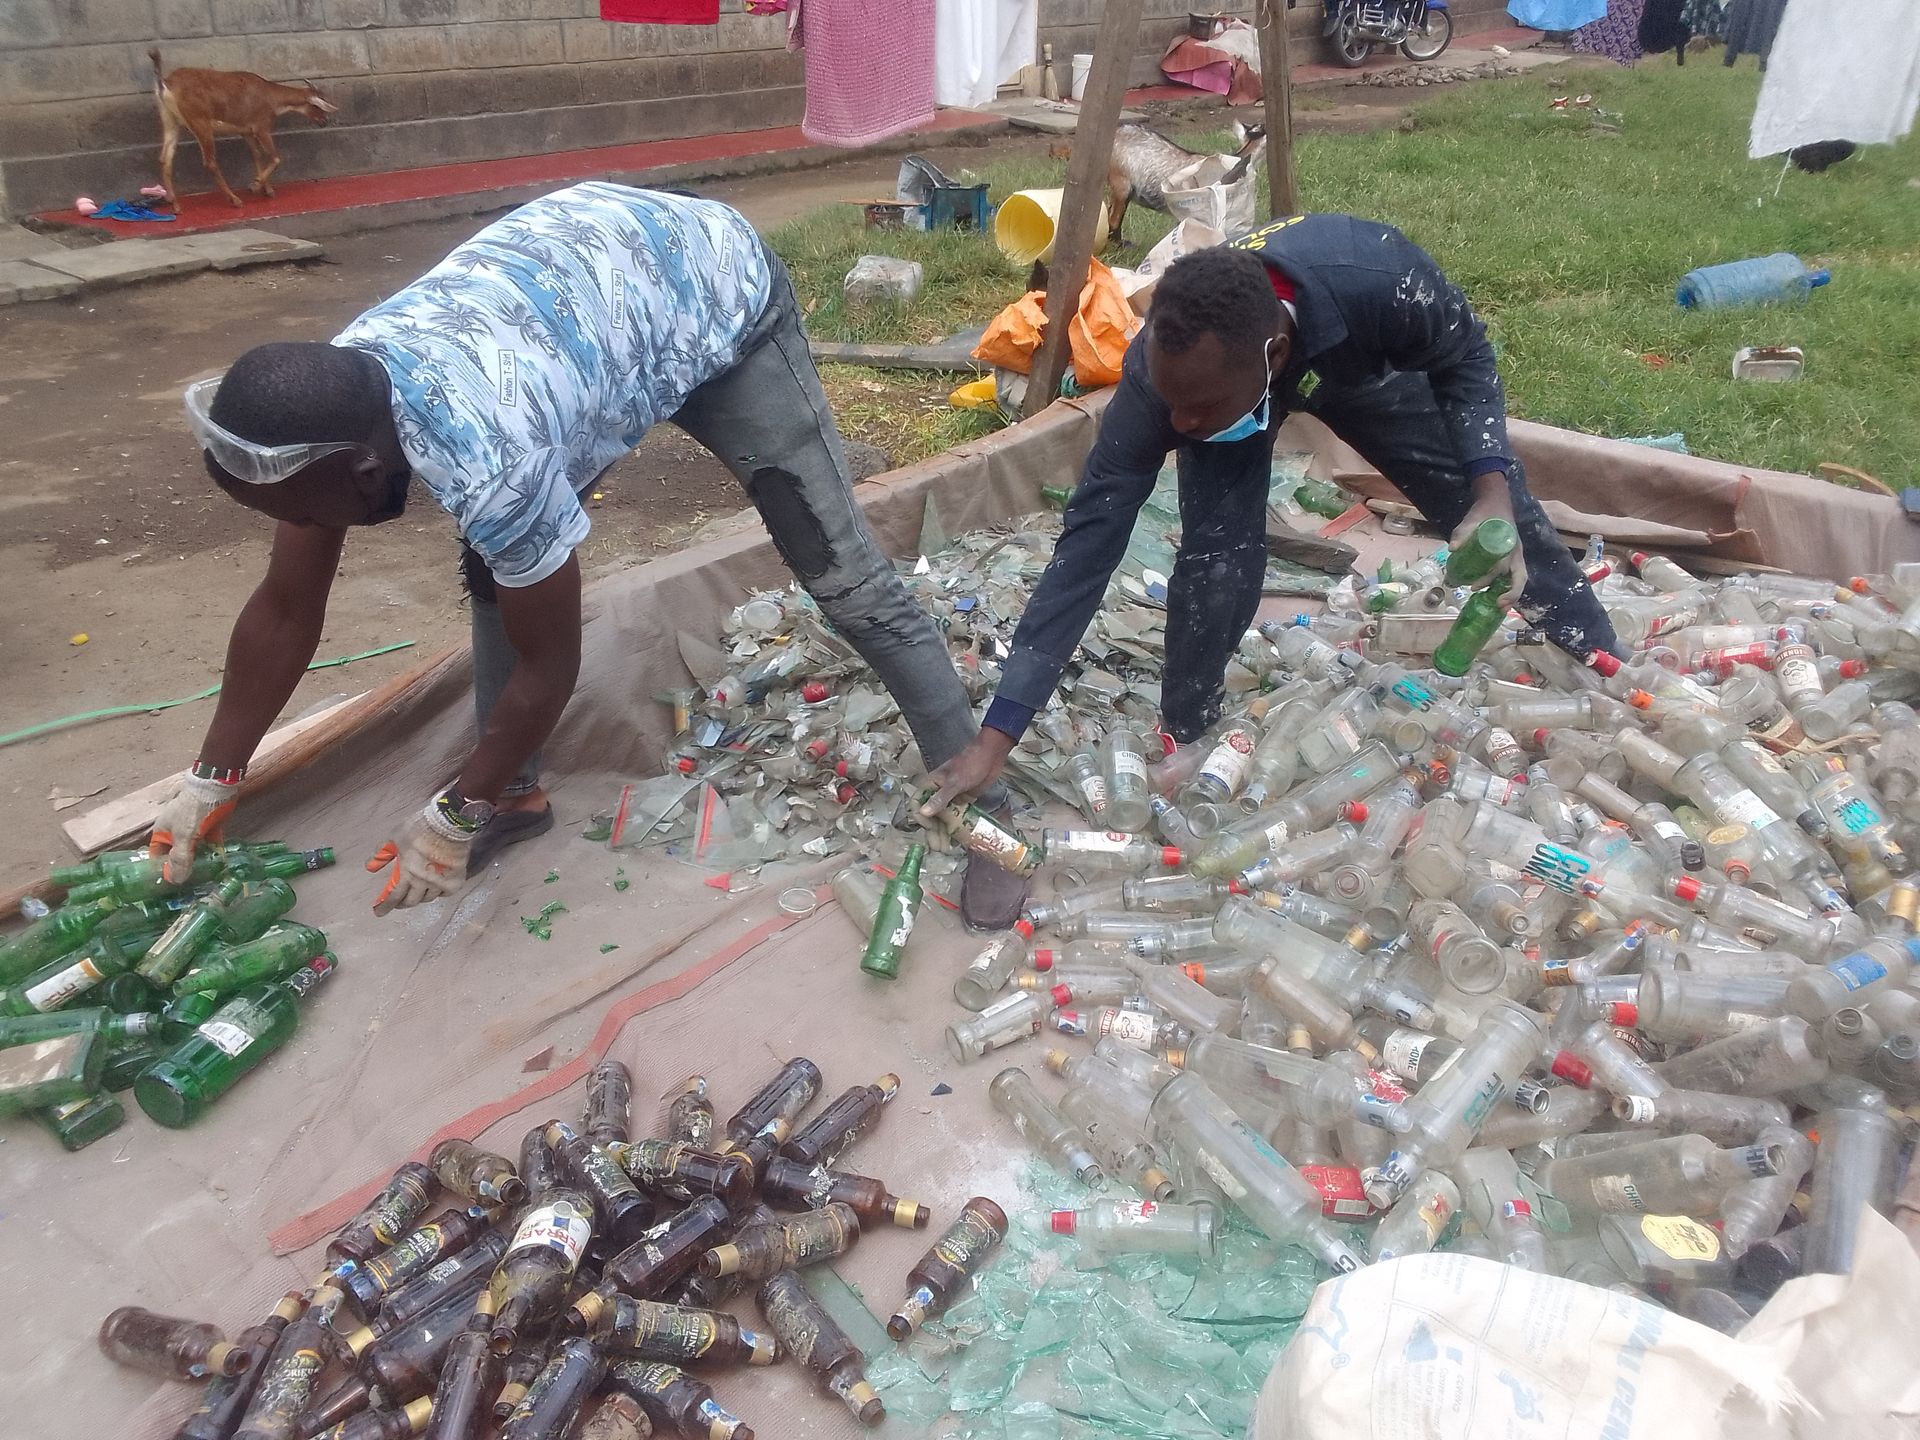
{"points": [[460, 1274], [286, 1384], [807, 1239], [811, 1336], [618, 1416], [705, 1292], [531, 1283], [226, 1397], [690, 1112], [678, 1169], [516, 1374], [400, 1364], [943, 1271], [558, 1393], [539, 1171], [620, 1211], [759, 1150], [475, 1174], [674, 1399], [414, 1253], [410, 1419], [388, 1216], [609, 1103], [469, 1378], [783, 1097], [171, 1348], [646, 1268], [789, 1185], [827, 1135], [655, 1331]]}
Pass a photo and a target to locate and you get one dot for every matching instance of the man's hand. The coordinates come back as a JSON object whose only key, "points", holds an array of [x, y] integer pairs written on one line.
{"points": [[1492, 500], [969, 772], [196, 815], [429, 860]]}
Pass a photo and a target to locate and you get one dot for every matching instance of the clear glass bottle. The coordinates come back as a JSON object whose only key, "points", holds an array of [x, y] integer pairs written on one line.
{"points": [[1880, 964], [1760, 1060], [1470, 961], [1676, 1175], [986, 975], [1753, 1209], [1257, 1080], [1297, 858], [1138, 1227], [1090, 784], [1010, 1018], [1855, 1167], [1681, 1007], [1124, 767], [1416, 1223]]}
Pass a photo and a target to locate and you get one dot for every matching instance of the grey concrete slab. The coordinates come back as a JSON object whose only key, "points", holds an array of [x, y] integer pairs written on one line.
{"points": [[21, 280], [1051, 117], [235, 249], [125, 261], [19, 243]]}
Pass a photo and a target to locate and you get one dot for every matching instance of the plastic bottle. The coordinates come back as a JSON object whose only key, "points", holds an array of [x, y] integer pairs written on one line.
{"points": [[1779, 278]]}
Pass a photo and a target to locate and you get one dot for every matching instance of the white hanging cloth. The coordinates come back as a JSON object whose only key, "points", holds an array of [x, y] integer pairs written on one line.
{"points": [[979, 44], [1839, 70]]}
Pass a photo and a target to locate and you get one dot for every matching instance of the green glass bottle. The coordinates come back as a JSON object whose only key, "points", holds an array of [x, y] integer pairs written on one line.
{"points": [[273, 956], [978, 833], [130, 994], [64, 980], [49, 938], [177, 1090], [68, 876], [144, 878], [28, 1029], [1316, 497], [893, 921], [1058, 496], [191, 935], [254, 913], [76, 1124], [1480, 617], [50, 1070], [188, 1012], [1492, 541], [128, 1059]]}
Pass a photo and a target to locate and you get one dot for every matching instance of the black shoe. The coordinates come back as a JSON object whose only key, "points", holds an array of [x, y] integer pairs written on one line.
{"points": [[508, 827], [990, 897]]}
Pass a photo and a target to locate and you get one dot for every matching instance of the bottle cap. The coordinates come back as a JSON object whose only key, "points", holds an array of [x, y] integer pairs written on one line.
{"points": [[1623, 1012], [1062, 996], [1064, 1221], [1355, 811], [1852, 669], [1043, 959], [1238, 887], [1639, 558], [1640, 699], [1686, 888], [814, 691], [817, 749], [1023, 927], [686, 764], [1540, 738], [1170, 856], [1605, 662], [1737, 870], [1572, 1069]]}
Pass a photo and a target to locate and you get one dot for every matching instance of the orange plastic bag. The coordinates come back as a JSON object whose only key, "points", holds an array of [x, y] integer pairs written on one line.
{"points": [[1014, 335], [1101, 329]]}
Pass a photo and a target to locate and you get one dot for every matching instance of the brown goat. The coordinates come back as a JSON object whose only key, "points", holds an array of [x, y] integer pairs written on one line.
{"points": [[228, 102]]}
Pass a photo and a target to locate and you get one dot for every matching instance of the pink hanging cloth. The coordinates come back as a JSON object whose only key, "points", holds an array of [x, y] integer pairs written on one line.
{"points": [[661, 12], [869, 68]]}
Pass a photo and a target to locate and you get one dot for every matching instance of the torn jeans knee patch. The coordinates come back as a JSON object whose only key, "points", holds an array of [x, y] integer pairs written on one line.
{"points": [[796, 530]]}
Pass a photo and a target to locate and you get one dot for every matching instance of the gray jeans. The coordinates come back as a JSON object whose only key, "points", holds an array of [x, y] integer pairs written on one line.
{"points": [[766, 419]]}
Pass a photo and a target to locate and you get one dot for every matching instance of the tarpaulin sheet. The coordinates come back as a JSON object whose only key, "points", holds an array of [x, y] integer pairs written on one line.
{"points": [[451, 1009]]}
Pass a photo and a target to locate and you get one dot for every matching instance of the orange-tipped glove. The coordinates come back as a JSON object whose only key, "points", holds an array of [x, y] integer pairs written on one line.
{"points": [[428, 860], [195, 816]]}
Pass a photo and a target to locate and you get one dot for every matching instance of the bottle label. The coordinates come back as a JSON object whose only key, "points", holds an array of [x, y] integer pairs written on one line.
{"points": [[1858, 970], [226, 1036], [54, 991], [1135, 1212], [1743, 807], [983, 962], [1639, 1110], [1402, 1053], [1128, 762], [1858, 816], [1796, 672], [1342, 729], [1093, 842], [1276, 834], [1671, 830], [1413, 694], [903, 925], [1616, 1195], [1563, 869], [442, 1270], [1343, 1196], [1230, 761], [970, 1238], [1680, 1238], [1434, 1214], [983, 836], [1093, 789], [1128, 1026], [560, 1226]]}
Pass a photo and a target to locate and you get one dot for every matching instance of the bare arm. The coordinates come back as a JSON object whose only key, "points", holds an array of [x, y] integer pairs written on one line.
{"points": [[273, 640], [542, 621]]}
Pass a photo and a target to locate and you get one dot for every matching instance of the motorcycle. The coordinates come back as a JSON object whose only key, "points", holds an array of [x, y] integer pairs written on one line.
{"points": [[1421, 28]]}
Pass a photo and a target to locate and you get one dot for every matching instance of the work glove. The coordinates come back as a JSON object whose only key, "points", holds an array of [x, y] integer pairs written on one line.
{"points": [[195, 815], [1496, 503], [429, 860]]}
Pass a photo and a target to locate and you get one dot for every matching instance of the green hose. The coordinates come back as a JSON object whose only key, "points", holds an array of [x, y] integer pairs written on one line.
{"points": [[66, 721]]}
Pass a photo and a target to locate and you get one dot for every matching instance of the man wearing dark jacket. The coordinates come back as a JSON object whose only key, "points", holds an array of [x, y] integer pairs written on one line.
{"points": [[1345, 319]]}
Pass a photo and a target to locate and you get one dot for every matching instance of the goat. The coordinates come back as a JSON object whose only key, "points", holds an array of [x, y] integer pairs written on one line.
{"points": [[209, 103], [1144, 160]]}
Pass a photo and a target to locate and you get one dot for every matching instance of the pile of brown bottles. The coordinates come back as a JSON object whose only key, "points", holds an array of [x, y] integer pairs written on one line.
{"points": [[174, 990], [1605, 967], [577, 1290]]}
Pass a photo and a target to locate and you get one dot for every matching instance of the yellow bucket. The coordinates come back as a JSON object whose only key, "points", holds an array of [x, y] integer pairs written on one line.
{"points": [[1023, 226]]}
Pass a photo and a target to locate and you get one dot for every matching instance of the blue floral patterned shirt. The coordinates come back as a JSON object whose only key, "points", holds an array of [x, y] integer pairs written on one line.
{"points": [[539, 352]]}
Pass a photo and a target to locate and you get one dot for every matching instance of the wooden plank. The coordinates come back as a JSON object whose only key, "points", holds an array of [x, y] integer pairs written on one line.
{"points": [[282, 752], [1074, 239], [947, 356], [1276, 83]]}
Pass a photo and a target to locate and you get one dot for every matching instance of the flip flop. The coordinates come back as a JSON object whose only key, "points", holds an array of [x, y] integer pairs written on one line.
{"points": [[508, 827]]}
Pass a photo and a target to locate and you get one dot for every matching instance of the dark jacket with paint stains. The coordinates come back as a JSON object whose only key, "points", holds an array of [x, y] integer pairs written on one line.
{"points": [[1368, 301]]}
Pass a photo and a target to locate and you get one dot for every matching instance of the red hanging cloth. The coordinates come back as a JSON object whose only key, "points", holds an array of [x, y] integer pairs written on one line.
{"points": [[661, 12]]}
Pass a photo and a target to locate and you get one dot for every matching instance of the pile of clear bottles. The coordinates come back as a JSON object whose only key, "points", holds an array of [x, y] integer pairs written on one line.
{"points": [[1605, 968]]}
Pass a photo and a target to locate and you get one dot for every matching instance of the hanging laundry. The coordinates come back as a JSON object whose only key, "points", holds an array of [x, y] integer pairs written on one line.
{"points": [[979, 45], [661, 12], [1839, 70], [1750, 28], [1556, 14], [1706, 18], [1616, 35], [1662, 28], [869, 66]]}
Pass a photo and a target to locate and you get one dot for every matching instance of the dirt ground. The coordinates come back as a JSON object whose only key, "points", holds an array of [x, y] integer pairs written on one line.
{"points": [[113, 532]]}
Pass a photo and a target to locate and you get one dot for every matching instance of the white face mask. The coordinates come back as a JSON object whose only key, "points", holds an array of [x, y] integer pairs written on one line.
{"points": [[1255, 420]]}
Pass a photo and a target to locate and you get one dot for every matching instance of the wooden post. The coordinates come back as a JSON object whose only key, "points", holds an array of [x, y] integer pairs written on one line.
{"points": [[1074, 240], [1276, 84]]}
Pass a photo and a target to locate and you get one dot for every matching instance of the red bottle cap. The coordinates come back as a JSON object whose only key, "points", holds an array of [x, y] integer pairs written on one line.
{"points": [[1062, 996], [1540, 738], [1525, 677], [1572, 1069], [1738, 871], [840, 768], [1167, 743], [1639, 699], [1043, 959], [1639, 558], [1623, 1012], [1024, 928], [1355, 811], [686, 765], [1686, 888], [1852, 669], [1195, 971], [814, 691], [1858, 584], [817, 749], [1239, 887], [1605, 662], [846, 793], [1063, 1221], [1170, 856]]}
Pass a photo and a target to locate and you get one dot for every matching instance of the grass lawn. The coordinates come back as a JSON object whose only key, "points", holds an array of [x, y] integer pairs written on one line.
{"points": [[1569, 239]]}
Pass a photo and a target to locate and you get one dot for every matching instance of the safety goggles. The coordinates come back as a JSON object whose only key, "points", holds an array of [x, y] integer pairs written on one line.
{"points": [[243, 459]]}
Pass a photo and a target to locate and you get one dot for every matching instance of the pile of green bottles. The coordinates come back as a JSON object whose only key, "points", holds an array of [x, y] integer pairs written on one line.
{"points": [[172, 990]]}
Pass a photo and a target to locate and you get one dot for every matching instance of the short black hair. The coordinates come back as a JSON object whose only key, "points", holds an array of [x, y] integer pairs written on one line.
{"points": [[302, 393], [1220, 291]]}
